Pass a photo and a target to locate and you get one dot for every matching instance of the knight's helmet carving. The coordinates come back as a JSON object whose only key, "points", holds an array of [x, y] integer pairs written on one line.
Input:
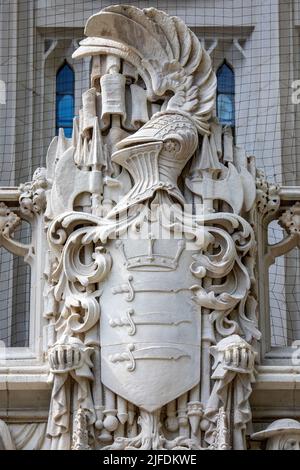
{"points": [[161, 148], [136, 301], [175, 69]]}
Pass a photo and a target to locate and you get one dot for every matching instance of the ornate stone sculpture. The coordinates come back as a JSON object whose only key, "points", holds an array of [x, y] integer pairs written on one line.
{"points": [[150, 256], [282, 434], [233, 374]]}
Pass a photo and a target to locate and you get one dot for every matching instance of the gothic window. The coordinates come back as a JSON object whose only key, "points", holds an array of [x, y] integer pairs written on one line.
{"points": [[225, 95], [65, 99]]}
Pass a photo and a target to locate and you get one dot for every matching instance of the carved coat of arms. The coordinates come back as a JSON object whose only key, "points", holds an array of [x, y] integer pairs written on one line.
{"points": [[150, 256]]}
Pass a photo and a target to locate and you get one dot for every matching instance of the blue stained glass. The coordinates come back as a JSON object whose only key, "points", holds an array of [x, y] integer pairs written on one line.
{"points": [[65, 99], [225, 109], [225, 95], [65, 105]]}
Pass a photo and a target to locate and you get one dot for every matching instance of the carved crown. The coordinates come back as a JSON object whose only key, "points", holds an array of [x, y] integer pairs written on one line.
{"points": [[150, 260]]}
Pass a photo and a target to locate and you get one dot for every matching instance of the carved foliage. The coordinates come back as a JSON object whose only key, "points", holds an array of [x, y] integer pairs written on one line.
{"points": [[9, 221], [267, 197], [290, 220], [33, 194]]}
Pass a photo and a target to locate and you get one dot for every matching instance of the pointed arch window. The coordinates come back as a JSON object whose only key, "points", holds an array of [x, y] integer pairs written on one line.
{"points": [[65, 99], [226, 95]]}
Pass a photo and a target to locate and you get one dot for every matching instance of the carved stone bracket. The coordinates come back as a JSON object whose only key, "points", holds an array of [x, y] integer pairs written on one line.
{"points": [[9, 222], [290, 221]]}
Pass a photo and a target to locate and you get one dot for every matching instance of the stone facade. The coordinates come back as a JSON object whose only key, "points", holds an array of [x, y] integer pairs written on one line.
{"points": [[150, 316]]}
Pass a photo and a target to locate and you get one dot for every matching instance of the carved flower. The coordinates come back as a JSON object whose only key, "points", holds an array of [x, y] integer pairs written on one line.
{"points": [[9, 221], [290, 219], [33, 194], [267, 197]]}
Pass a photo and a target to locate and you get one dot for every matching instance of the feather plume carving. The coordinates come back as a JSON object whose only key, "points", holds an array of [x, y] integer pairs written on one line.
{"points": [[167, 54]]}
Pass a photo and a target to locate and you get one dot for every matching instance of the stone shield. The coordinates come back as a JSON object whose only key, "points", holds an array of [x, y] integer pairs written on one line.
{"points": [[150, 325]]}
